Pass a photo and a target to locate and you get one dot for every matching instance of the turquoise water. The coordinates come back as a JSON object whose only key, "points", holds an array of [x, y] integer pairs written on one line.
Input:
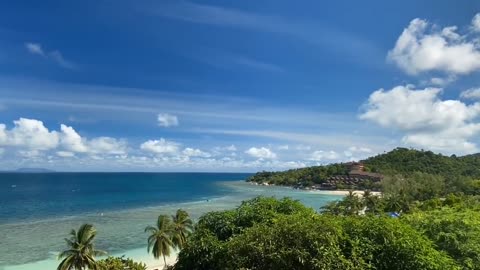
{"points": [[33, 229]]}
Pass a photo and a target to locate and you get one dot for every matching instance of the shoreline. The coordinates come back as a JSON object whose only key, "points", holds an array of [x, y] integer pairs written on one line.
{"points": [[338, 192], [122, 221], [344, 192]]}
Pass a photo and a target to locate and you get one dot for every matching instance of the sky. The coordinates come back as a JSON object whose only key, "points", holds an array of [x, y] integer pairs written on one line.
{"points": [[234, 86]]}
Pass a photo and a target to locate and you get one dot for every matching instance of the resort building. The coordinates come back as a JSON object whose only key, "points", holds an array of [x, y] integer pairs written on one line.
{"points": [[356, 177]]}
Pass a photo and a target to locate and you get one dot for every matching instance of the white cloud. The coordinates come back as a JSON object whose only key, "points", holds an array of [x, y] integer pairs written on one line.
{"points": [[55, 55], [355, 152], [441, 82], [191, 152], [34, 48], [356, 149], [422, 48], [428, 121], [472, 93], [107, 145], [231, 148], [476, 23], [65, 154], [262, 152], [29, 136], [324, 155], [161, 146], [167, 120], [283, 147], [302, 147], [29, 133], [71, 140]]}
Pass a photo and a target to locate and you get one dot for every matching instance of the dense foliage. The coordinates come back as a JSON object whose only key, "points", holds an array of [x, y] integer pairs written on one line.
{"points": [[303, 176], [119, 263], [459, 173], [265, 233]]}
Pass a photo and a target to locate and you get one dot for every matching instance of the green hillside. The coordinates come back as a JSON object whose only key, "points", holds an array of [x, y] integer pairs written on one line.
{"points": [[401, 161]]}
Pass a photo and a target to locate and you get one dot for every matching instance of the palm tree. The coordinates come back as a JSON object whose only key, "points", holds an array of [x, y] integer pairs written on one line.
{"points": [[352, 203], [81, 253], [182, 226], [160, 239]]}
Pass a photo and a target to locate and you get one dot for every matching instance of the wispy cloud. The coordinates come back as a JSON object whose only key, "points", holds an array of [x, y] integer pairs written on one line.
{"points": [[256, 64], [55, 55], [354, 46], [35, 48], [220, 110], [309, 138], [167, 120], [229, 60]]}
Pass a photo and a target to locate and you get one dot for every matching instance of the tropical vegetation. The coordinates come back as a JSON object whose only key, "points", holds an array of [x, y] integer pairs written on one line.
{"points": [[423, 219], [168, 234], [120, 263], [459, 174], [266, 233], [81, 251]]}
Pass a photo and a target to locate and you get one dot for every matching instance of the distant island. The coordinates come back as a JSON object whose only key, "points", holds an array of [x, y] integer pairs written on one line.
{"points": [[367, 174], [33, 170]]}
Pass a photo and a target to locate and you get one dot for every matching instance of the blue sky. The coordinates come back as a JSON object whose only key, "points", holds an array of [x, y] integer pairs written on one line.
{"points": [[234, 85]]}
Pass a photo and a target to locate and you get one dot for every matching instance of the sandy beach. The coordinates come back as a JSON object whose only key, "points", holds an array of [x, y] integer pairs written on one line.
{"points": [[344, 192], [158, 264]]}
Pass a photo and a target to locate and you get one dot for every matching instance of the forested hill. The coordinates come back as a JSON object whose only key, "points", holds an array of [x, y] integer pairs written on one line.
{"points": [[398, 161], [406, 161]]}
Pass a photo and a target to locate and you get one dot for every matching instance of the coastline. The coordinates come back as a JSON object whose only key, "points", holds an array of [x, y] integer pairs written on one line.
{"points": [[121, 231], [344, 192]]}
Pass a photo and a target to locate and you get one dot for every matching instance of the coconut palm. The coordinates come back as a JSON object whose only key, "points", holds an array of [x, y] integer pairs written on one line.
{"points": [[160, 239], [352, 203], [182, 228], [81, 252]]}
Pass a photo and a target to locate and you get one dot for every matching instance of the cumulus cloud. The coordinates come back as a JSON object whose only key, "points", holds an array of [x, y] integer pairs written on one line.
{"points": [[107, 145], [30, 136], [55, 55], [476, 23], [191, 152], [262, 152], [423, 47], [29, 133], [167, 120], [231, 148], [65, 154], [324, 155], [426, 120], [472, 93], [161, 146], [355, 152], [441, 82], [71, 140]]}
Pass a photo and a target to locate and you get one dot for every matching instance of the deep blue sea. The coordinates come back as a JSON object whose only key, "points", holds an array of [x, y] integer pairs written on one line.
{"points": [[27, 196], [38, 210]]}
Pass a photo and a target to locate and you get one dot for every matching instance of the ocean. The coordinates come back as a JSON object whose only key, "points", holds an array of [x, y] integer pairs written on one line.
{"points": [[37, 210]]}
